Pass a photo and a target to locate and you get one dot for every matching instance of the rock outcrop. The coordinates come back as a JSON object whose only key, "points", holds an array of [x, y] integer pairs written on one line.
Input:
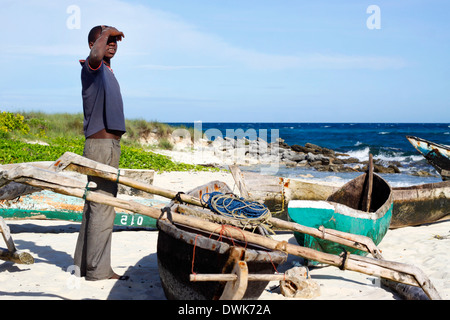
{"points": [[258, 151]]}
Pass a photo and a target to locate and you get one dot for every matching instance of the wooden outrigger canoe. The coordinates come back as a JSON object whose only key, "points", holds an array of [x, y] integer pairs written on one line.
{"points": [[438, 155], [184, 250], [349, 209]]}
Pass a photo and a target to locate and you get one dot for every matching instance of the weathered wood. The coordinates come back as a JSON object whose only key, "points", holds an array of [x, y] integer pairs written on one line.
{"points": [[4, 229], [74, 162], [404, 291], [239, 180], [384, 269], [445, 174], [12, 254], [235, 290], [369, 187], [14, 190], [10, 190], [420, 204], [233, 277], [437, 155], [18, 256], [24, 170]]}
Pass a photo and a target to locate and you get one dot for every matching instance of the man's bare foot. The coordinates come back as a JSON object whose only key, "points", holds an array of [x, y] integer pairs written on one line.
{"points": [[115, 276]]}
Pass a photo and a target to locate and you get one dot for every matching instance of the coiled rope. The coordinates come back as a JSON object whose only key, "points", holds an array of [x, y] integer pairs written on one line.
{"points": [[251, 212]]}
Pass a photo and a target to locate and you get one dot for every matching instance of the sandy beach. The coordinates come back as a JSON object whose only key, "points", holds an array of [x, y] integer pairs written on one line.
{"points": [[52, 244]]}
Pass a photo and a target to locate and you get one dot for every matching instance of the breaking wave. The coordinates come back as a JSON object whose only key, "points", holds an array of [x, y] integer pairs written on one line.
{"points": [[383, 155]]}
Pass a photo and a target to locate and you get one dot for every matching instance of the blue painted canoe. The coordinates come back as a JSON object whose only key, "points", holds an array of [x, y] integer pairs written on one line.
{"points": [[437, 155], [343, 211]]}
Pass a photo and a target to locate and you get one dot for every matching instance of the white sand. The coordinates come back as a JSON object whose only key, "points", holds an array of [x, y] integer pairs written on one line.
{"points": [[52, 245]]}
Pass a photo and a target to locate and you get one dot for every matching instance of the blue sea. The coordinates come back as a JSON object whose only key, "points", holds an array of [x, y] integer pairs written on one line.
{"points": [[386, 142]]}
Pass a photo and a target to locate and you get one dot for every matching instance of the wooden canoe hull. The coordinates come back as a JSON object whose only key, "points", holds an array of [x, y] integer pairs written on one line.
{"points": [[177, 260], [438, 155], [420, 204], [345, 215]]}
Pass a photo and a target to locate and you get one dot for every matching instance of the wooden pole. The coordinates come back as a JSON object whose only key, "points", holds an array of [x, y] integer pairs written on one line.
{"points": [[12, 254], [370, 183], [233, 277], [239, 179], [17, 256], [389, 270]]}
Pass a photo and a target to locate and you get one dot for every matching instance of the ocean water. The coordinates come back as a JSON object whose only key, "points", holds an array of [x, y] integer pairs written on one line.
{"points": [[386, 142]]}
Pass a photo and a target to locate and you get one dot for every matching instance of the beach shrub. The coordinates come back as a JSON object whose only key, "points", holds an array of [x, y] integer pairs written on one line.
{"points": [[11, 122], [165, 144]]}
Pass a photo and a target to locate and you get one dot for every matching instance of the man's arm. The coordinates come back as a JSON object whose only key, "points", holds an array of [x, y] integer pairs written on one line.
{"points": [[99, 48]]}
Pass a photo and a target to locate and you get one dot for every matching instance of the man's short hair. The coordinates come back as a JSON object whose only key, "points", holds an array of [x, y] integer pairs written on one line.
{"points": [[94, 33]]}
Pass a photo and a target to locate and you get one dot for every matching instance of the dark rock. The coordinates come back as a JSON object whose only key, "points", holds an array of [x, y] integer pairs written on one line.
{"points": [[349, 160], [298, 148], [314, 147], [381, 169], [284, 145], [290, 163], [315, 163], [337, 161], [328, 152], [395, 168]]}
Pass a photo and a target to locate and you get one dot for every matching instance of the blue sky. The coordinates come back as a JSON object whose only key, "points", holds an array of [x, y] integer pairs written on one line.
{"points": [[236, 61]]}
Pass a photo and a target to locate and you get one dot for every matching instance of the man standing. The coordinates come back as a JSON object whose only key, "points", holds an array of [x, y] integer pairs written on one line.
{"points": [[104, 124]]}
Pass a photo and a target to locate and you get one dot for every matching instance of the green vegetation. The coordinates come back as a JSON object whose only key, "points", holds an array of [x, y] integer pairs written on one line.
{"points": [[10, 122], [37, 136]]}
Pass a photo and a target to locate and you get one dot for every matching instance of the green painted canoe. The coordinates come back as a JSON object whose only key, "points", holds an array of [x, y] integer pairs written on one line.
{"points": [[343, 211], [54, 206]]}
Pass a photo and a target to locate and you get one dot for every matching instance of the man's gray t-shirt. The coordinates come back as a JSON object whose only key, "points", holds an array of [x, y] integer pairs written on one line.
{"points": [[102, 100]]}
